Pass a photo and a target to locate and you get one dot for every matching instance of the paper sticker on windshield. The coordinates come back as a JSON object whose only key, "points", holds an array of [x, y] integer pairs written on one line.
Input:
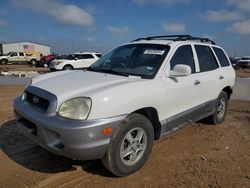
{"points": [[154, 52], [150, 68]]}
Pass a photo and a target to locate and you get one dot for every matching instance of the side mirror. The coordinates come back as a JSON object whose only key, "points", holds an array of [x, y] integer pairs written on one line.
{"points": [[180, 70]]}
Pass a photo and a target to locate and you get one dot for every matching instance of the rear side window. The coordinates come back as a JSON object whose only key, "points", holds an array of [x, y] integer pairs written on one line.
{"points": [[221, 57], [206, 58], [98, 55], [87, 56], [21, 54], [183, 55]]}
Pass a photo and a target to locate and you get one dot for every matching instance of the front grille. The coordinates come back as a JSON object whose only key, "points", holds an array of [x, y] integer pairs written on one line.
{"points": [[37, 101]]}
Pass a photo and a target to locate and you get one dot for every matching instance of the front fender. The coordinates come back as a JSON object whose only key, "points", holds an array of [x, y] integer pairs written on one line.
{"points": [[127, 98]]}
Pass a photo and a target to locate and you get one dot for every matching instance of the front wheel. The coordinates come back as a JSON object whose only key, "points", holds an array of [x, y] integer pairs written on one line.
{"points": [[130, 146], [220, 110], [67, 67], [3, 61]]}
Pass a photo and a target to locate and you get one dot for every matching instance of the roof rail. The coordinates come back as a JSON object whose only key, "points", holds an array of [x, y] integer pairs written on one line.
{"points": [[176, 38]]}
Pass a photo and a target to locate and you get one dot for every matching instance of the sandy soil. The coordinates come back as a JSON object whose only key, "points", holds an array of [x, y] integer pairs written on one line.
{"points": [[198, 155], [23, 68], [243, 73]]}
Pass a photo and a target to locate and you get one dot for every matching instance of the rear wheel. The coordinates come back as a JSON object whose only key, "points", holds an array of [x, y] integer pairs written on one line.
{"points": [[220, 110], [130, 146], [67, 67]]}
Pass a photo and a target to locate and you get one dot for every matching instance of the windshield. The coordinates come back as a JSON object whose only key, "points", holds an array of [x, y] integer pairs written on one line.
{"points": [[133, 59], [8, 54]]}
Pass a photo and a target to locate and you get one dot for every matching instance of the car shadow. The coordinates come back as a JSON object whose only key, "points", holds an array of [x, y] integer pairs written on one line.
{"points": [[27, 153]]}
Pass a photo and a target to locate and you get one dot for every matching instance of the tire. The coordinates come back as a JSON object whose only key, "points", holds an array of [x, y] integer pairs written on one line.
{"points": [[220, 110], [68, 67], [33, 62], [3, 61], [127, 139]]}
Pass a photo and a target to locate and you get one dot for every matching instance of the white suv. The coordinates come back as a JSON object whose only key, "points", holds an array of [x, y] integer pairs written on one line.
{"points": [[75, 61], [130, 97]]}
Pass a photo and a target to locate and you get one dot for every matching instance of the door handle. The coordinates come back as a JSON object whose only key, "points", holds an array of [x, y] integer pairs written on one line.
{"points": [[197, 82], [221, 77]]}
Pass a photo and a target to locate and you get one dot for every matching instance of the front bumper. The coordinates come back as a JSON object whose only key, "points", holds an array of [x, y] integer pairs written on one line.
{"points": [[81, 140], [52, 69]]}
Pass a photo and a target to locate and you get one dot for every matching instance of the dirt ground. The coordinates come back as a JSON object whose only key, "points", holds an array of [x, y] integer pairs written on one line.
{"points": [[243, 73], [23, 68], [198, 155]]}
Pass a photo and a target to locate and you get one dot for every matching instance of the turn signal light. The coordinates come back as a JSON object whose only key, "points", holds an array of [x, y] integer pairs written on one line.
{"points": [[107, 130]]}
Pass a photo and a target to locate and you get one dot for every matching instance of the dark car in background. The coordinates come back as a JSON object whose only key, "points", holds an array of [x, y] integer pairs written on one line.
{"points": [[235, 62], [244, 62], [45, 60]]}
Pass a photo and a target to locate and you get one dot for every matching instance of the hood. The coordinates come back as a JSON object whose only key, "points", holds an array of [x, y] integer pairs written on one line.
{"points": [[69, 84], [3, 56]]}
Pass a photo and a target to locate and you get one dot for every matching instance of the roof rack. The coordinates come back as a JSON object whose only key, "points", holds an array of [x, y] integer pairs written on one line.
{"points": [[176, 38]]}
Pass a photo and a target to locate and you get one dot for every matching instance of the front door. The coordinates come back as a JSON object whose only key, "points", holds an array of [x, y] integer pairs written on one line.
{"points": [[14, 57], [183, 94]]}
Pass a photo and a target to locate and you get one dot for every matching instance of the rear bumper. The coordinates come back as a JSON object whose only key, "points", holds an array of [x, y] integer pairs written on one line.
{"points": [[81, 140]]}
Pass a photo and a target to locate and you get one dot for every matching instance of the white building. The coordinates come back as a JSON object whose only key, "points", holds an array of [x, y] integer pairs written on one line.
{"points": [[24, 47]]}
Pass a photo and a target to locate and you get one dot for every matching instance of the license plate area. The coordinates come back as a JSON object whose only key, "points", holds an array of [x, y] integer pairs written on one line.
{"points": [[31, 127]]}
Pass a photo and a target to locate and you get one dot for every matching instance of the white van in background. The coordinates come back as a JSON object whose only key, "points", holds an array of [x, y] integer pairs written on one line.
{"points": [[75, 61]]}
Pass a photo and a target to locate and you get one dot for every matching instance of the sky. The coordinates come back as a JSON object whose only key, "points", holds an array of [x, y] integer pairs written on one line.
{"points": [[101, 25]]}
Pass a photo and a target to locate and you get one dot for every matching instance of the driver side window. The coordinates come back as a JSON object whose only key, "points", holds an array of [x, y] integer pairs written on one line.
{"points": [[183, 55]]}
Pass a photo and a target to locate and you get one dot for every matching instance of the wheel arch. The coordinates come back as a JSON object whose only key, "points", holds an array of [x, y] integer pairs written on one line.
{"points": [[152, 114], [68, 65], [4, 59], [228, 91]]}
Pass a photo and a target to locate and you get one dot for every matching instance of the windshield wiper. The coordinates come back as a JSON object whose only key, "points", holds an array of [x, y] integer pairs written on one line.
{"points": [[109, 71]]}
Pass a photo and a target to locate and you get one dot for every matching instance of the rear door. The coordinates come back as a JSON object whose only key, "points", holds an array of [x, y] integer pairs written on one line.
{"points": [[210, 75], [22, 57]]}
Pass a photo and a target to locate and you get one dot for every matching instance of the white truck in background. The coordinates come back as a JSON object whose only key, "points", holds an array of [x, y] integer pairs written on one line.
{"points": [[18, 57]]}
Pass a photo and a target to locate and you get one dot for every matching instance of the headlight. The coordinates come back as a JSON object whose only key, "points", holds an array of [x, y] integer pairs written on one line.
{"points": [[58, 63], [76, 108], [28, 83]]}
